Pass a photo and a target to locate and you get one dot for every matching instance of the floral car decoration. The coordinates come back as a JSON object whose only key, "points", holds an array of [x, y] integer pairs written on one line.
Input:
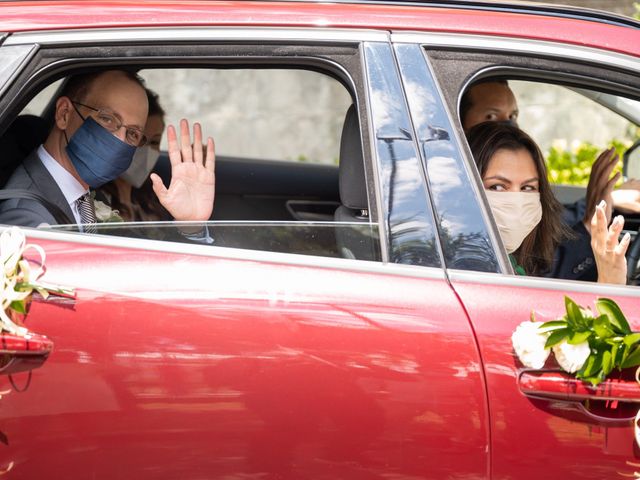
{"points": [[20, 277], [588, 345]]}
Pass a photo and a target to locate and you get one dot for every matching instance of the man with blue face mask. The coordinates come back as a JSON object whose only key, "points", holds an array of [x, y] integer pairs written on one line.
{"points": [[98, 124]]}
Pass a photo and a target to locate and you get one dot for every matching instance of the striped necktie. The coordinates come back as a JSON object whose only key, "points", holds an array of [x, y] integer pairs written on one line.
{"points": [[87, 213]]}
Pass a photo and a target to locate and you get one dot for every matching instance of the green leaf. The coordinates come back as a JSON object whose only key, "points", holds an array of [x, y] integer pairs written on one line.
{"points": [[633, 359], [592, 366], [602, 327], [574, 315], [19, 306], [607, 362], [556, 337], [625, 353], [553, 324], [587, 367], [616, 355], [608, 307], [631, 339], [578, 337]]}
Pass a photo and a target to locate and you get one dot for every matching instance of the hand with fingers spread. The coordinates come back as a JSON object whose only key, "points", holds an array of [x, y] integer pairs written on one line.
{"points": [[191, 192], [600, 185], [608, 252]]}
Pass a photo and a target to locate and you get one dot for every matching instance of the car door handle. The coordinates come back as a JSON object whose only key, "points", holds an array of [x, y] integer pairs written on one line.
{"points": [[19, 354], [555, 385]]}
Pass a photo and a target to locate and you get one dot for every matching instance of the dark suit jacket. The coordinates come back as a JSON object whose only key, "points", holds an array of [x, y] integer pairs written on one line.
{"points": [[33, 176], [573, 259]]}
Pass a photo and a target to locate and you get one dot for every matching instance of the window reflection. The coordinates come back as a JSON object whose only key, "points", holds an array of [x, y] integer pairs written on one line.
{"points": [[463, 231]]}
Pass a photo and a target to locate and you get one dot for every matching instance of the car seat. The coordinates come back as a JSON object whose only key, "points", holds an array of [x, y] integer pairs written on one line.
{"points": [[23, 136], [353, 242]]}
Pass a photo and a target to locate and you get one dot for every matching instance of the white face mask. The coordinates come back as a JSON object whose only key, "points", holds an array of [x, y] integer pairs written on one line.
{"points": [[143, 162], [516, 214]]}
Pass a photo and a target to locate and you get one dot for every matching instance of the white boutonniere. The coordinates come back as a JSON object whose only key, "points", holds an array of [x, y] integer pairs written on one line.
{"points": [[105, 214]]}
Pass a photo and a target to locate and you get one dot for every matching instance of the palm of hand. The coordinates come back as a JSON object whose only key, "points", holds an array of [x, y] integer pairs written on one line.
{"points": [[191, 192]]}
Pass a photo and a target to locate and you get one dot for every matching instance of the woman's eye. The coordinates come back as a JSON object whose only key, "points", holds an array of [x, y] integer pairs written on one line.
{"points": [[529, 188], [496, 188]]}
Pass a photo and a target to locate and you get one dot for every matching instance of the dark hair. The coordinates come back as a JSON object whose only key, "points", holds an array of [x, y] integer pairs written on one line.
{"points": [[535, 254], [77, 86], [465, 101], [154, 104]]}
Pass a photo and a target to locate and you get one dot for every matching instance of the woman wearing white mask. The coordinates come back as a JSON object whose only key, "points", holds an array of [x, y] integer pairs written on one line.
{"points": [[527, 213], [132, 194]]}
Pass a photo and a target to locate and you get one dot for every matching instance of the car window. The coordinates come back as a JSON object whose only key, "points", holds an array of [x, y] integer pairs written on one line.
{"points": [[10, 59], [572, 126], [325, 239], [277, 161], [274, 114], [39, 104]]}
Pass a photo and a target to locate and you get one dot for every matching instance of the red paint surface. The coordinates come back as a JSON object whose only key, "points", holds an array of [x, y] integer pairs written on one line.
{"points": [[197, 367], [55, 15]]}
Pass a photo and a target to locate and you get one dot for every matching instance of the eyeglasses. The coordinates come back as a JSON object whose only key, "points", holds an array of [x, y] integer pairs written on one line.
{"points": [[110, 121]]}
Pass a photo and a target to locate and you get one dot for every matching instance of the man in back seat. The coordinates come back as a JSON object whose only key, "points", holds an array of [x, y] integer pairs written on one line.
{"points": [[99, 122]]}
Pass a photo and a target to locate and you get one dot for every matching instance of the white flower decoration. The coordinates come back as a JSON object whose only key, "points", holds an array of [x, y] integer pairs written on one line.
{"points": [[104, 213], [571, 357], [528, 342]]}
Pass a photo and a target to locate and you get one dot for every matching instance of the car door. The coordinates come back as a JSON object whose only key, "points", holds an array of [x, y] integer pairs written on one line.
{"points": [[186, 360], [541, 427]]}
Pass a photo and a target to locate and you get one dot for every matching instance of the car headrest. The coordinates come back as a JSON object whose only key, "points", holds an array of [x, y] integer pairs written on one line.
{"points": [[353, 187], [23, 136]]}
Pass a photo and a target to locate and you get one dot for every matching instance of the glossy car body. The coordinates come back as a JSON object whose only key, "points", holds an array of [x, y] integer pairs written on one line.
{"points": [[196, 361]]}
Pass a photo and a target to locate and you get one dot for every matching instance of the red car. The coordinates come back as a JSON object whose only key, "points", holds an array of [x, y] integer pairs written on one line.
{"points": [[353, 317]]}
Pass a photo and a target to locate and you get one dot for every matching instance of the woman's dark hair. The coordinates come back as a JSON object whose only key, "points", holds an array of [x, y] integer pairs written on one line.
{"points": [[535, 254], [154, 104]]}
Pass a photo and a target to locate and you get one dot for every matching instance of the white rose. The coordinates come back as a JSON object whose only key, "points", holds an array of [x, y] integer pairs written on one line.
{"points": [[528, 342], [571, 357], [103, 211]]}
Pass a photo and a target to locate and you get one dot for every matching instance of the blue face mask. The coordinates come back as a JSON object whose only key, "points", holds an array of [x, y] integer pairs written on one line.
{"points": [[97, 155]]}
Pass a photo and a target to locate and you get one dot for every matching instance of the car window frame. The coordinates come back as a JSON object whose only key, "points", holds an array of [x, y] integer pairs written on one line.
{"points": [[463, 59], [60, 51]]}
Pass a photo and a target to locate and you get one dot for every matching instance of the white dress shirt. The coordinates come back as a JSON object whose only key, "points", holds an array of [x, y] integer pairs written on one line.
{"points": [[71, 188]]}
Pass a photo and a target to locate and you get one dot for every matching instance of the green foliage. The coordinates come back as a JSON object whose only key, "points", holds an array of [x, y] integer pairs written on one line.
{"points": [[573, 166], [636, 15], [611, 341]]}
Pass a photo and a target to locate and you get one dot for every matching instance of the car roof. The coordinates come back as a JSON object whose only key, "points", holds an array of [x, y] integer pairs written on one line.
{"points": [[514, 19]]}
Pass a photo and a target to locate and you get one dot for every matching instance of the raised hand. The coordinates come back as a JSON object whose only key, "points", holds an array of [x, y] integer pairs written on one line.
{"points": [[608, 252], [600, 185], [192, 190]]}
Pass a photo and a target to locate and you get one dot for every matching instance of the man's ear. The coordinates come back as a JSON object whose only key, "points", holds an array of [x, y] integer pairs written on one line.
{"points": [[64, 110]]}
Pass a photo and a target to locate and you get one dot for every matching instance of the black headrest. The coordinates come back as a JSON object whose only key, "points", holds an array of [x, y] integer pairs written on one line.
{"points": [[21, 138], [353, 187], [30, 131]]}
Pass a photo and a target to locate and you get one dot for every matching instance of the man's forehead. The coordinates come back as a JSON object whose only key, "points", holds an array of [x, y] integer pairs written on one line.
{"points": [[113, 84], [492, 92], [120, 94]]}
